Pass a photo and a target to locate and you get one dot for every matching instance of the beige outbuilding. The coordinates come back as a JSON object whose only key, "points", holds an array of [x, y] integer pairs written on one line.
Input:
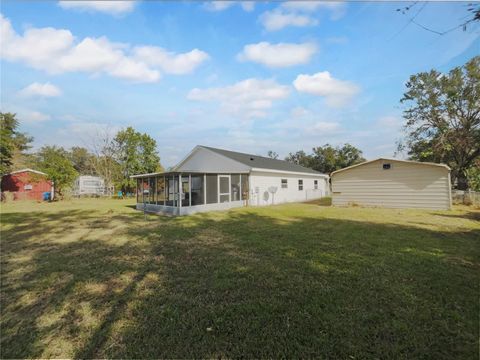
{"points": [[393, 183]]}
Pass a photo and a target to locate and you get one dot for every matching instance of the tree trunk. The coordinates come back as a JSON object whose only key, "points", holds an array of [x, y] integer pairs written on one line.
{"points": [[462, 181]]}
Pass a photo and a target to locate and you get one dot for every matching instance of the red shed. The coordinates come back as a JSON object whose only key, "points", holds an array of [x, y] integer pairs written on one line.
{"points": [[27, 184]]}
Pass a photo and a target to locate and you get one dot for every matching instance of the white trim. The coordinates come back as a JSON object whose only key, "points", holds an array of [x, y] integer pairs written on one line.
{"points": [[27, 170], [290, 172], [229, 187], [180, 191], [389, 159], [449, 192], [204, 189]]}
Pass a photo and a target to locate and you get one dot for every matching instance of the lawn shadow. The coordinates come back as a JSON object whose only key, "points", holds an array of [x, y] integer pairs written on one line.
{"points": [[236, 284], [469, 215]]}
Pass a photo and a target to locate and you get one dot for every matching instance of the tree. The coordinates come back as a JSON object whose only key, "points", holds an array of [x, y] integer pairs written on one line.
{"points": [[327, 158], [299, 158], [55, 162], [443, 118], [473, 176], [12, 142], [103, 161], [272, 154], [82, 160], [136, 153]]}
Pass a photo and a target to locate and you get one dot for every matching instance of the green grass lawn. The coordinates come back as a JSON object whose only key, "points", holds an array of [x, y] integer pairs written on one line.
{"points": [[92, 278]]}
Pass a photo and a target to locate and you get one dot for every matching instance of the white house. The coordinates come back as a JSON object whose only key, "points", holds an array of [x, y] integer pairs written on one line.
{"points": [[393, 183], [89, 185], [215, 179]]}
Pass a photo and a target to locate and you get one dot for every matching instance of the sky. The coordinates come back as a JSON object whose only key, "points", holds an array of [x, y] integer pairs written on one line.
{"points": [[244, 76]]}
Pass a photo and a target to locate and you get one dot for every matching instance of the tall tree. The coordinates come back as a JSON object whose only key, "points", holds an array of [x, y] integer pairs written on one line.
{"points": [[12, 142], [55, 162], [136, 153], [272, 154], [328, 158], [82, 160], [299, 158], [443, 118], [104, 161]]}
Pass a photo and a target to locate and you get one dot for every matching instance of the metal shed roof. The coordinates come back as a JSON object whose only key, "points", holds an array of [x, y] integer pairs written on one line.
{"points": [[389, 159]]}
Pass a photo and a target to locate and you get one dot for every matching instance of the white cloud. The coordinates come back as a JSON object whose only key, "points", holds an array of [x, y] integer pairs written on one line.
{"points": [[278, 19], [218, 5], [170, 62], [336, 92], [33, 116], [336, 8], [325, 127], [37, 89], [299, 112], [249, 98], [278, 55], [248, 5], [57, 51], [117, 7], [300, 14], [224, 5]]}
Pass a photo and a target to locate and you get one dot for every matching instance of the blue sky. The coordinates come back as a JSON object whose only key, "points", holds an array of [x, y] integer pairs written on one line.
{"points": [[244, 76]]}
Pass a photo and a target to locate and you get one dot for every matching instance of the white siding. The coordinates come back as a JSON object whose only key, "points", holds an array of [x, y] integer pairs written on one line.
{"points": [[405, 185], [204, 160], [261, 181]]}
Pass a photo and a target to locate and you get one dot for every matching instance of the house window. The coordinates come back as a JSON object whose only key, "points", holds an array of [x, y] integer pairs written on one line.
{"points": [[300, 184], [387, 166], [284, 183], [315, 184]]}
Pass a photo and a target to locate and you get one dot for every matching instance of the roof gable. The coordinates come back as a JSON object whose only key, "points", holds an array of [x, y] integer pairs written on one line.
{"points": [[27, 170], [203, 159], [389, 159]]}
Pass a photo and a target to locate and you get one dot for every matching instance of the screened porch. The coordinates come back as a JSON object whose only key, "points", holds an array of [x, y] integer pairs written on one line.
{"points": [[184, 193]]}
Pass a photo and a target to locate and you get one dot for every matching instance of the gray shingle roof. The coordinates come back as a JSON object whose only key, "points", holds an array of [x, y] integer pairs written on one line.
{"points": [[262, 162]]}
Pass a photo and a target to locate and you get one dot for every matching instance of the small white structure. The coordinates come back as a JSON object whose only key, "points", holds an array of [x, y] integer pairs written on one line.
{"points": [[215, 179], [89, 185], [393, 183]]}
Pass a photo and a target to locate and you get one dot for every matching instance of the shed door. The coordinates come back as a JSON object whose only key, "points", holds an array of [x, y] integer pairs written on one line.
{"points": [[223, 188]]}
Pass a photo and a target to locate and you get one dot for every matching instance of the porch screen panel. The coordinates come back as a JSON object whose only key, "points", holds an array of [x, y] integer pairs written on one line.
{"points": [[245, 189], [161, 190], [185, 191], [172, 190], [146, 189], [235, 187], [152, 181], [212, 189], [197, 190]]}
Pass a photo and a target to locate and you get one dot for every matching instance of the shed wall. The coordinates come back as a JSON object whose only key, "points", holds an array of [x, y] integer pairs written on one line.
{"points": [[404, 185], [26, 186]]}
